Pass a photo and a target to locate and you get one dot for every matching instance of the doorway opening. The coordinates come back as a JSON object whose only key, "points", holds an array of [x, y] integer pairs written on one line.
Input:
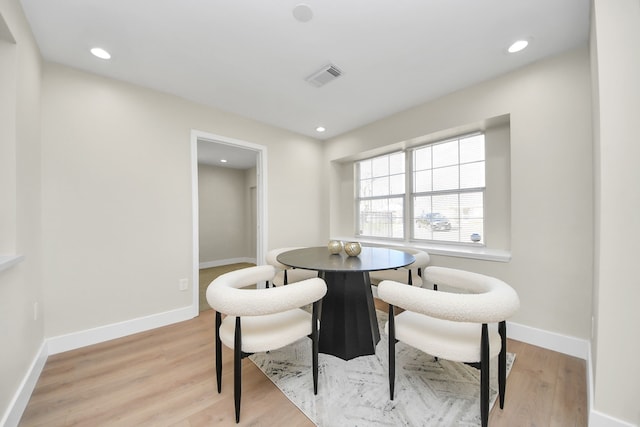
{"points": [[213, 242]]}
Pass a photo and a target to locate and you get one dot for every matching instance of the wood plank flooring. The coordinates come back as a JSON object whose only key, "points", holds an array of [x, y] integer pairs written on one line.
{"points": [[166, 377], [206, 276]]}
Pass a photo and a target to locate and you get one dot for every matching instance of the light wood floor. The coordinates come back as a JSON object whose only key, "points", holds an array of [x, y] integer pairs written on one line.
{"points": [[166, 377], [206, 276]]}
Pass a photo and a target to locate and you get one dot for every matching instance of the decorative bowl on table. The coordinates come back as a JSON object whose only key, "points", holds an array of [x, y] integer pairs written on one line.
{"points": [[334, 246], [353, 248]]}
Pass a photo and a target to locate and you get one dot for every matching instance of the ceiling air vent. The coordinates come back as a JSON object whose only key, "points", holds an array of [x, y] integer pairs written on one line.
{"points": [[324, 75]]}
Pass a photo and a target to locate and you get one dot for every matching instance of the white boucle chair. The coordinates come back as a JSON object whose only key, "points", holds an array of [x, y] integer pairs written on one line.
{"points": [[259, 320], [453, 326], [411, 274], [285, 274]]}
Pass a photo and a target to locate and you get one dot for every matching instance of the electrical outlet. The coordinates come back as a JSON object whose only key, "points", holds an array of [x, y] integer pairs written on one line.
{"points": [[183, 285], [35, 310]]}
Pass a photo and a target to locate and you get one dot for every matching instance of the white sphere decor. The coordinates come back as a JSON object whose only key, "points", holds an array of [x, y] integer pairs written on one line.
{"points": [[334, 246], [352, 248]]}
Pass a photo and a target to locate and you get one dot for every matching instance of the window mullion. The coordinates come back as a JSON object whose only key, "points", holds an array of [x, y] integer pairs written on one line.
{"points": [[443, 192], [408, 191]]}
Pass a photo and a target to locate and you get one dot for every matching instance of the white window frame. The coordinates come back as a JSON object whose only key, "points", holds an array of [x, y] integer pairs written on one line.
{"points": [[372, 198], [454, 222], [408, 221]]}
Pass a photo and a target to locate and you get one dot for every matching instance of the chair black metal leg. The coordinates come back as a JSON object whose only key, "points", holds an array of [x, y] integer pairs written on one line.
{"points": [[218, 352], [484, 376], [392, 351], [435, 288], [410, 279], [314, 345], [237, 368], [502, 362], [286, 280]]}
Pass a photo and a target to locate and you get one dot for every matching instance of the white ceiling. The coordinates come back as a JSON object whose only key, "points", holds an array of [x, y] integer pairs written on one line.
{"points": [[251, 57], [211, 153]]}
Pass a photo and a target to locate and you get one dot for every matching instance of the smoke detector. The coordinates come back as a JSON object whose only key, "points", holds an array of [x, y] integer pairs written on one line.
{"points": [[324, 75], [302, 13]]}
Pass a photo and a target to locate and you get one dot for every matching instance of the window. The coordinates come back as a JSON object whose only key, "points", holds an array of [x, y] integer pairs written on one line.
{"points": [[448, 190], [445, 194], [381, 196]]}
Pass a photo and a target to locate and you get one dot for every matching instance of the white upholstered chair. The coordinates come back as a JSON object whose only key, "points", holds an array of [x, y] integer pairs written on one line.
{"points": [[453, 326], [285, 274], [411, 274], [259, 320]]}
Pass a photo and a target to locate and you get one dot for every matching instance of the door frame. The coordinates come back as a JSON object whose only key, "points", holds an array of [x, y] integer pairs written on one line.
{"points": [[261, 201]]}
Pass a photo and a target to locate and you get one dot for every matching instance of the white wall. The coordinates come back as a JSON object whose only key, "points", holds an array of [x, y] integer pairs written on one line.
{"points": [[117, 196], [616, 62], [8, 76], [551, 233], [21, 284], [223, 214]]}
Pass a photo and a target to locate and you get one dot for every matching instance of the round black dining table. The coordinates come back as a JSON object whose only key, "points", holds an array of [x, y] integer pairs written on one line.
{"points": [[348, 322]]}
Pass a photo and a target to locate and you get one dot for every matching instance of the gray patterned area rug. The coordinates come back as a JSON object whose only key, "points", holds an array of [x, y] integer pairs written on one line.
{"points": [[428, 392]]}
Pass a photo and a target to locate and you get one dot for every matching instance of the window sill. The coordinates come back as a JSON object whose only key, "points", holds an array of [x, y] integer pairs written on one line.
{"points": [[8, 261], [459, 251]]}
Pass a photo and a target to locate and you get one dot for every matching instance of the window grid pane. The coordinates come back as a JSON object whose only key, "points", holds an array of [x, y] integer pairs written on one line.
{"points": [[365, 169], [472, 175], [445, 154], [446, 178], [396, 164], [365, 188], [382, 217], [422, 181], [380, 166], [422, 158], [472, 149], [396, 184], [380, 186]]}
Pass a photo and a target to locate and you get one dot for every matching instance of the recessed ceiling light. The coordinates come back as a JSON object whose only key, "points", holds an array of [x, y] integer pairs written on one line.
{"points": [[518, 46], [100, 53], [320, 129], [223, 160]]}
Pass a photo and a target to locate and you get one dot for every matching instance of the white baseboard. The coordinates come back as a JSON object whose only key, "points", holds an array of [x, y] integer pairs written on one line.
{"points": [[18, 404], [565, 344], [218, 263], [100, 334], [598, 419]]}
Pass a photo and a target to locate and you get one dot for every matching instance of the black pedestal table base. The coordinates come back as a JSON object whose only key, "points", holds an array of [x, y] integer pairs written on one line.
{"points": [[348, 302]]}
